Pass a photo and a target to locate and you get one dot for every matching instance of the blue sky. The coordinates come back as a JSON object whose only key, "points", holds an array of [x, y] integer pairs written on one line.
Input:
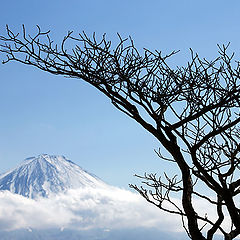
{"points": [[41, 113]]}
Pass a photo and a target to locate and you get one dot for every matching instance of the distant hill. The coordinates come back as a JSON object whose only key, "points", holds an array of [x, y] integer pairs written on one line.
{"points": [[97, 234]]}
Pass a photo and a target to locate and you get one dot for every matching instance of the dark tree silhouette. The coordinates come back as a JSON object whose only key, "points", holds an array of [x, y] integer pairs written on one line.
{"points": [[193, 111]]}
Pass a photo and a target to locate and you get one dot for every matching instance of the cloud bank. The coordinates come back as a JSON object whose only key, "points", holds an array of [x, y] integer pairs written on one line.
{"points": [[83, 209]]}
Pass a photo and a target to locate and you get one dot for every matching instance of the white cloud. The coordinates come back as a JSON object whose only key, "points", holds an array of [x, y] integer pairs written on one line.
{"points": [[89, 208], [83, 209]]}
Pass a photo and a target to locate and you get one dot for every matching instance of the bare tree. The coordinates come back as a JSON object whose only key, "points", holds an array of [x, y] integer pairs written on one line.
{"points": [[193, 111]]}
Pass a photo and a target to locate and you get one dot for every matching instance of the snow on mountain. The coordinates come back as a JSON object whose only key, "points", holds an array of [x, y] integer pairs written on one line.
{"points": [[45, 175]]}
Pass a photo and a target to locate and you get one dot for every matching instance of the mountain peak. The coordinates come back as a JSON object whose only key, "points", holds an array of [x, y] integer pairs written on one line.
{"points": [[45, 175], [45, 156]]}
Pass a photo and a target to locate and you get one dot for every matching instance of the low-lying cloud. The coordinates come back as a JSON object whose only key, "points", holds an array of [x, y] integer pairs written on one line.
{"points": [[88, 208]]}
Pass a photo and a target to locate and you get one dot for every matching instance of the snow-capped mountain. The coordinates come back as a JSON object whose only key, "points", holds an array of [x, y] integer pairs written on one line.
{"points": [[46, 175]]}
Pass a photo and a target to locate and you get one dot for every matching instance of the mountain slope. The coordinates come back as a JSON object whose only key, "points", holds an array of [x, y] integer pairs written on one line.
{"points": [[45, 175]]}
